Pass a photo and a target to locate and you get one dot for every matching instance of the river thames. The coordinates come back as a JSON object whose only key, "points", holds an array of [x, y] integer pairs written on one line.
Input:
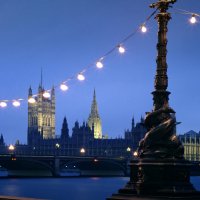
{"points": [[67, 188]]}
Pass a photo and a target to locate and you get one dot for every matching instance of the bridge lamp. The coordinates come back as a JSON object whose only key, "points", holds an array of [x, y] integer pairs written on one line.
{"points": [[11, 147], [57, 146], [135, 154], [82, 150], [128, 149], [96, 160]]}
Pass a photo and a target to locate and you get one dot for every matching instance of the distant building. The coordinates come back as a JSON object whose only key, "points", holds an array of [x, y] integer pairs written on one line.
{"points": [[137, 131], [191, 143], [85, 140], [94, 119], [65, 129], [2, 143], [41, 115]]}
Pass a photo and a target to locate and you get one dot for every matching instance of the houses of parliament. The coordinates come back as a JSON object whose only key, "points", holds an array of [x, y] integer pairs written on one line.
{"points": [[86, 138]]}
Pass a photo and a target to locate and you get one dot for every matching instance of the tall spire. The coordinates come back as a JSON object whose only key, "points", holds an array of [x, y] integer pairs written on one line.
{"points": [[133, 124], [94, 107], [30, 93], [94, 96], [94, 120], [65, 129], [40, 88], [41, 77]]}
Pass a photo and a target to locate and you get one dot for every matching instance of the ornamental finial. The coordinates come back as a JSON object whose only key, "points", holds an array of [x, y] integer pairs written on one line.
{"points": [[162, 5]]}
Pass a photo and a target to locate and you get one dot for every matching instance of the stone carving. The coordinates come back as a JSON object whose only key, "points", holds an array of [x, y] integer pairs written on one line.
{"points": [[160, 140]]}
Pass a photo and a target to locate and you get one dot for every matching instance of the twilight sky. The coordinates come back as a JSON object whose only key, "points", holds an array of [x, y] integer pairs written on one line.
{"points": [[64, 36]]}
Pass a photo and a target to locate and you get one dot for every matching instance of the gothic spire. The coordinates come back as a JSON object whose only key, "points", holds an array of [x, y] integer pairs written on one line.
{"points": [[30, 91], [65, 129], [133, 124], [94, 121], [40, 88], [41, 77], [94, 107], [94, 95]]}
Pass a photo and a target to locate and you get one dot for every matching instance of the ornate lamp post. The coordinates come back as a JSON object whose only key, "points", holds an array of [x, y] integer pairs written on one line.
{"points": [[160, 169], [160, 141]]}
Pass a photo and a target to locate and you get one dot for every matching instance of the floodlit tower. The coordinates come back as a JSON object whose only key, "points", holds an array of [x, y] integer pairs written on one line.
{"points": [[94, 119], [41, 114]]}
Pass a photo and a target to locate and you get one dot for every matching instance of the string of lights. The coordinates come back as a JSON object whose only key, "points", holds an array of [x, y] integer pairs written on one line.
{"points": [[193, 16], [99, 63], [64, 86]]}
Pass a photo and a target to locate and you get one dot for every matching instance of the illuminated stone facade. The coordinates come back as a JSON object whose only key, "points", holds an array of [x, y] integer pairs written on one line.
{"points": [[94, 119], [41, 115], [191, 143]]}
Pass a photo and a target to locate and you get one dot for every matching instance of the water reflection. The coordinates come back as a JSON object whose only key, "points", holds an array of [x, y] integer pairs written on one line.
{"points": [[67, 188]]}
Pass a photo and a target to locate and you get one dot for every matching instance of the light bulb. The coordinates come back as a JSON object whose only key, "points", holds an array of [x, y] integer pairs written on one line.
{"points": [[143, 29], [16, 103], [99, 64], [121, 49], [31, 100], [64, 87], [46, 94], [80, 77], [193, 19], [3, 104]]}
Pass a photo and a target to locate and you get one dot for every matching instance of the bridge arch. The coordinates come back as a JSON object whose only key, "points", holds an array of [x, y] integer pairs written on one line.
{"points": [[95, 164], [27, 167]]}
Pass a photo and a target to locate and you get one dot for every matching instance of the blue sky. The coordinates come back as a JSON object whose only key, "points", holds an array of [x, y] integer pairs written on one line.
{"points": [[64, 36]]}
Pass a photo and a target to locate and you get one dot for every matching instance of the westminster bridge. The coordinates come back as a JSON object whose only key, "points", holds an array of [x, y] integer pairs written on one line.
{"points": [[30, 165]]}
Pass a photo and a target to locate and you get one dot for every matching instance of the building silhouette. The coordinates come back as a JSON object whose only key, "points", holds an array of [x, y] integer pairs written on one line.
{"points": [[2, 143], [87, 136], [137, 131], [42, 139], [65, 129]]}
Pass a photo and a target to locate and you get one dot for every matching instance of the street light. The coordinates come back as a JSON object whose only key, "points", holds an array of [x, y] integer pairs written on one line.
{"points": [[135, 154], [11, 148], [57, 145], [82, 150], [57, 148], [161, 169], [128, 149]]}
